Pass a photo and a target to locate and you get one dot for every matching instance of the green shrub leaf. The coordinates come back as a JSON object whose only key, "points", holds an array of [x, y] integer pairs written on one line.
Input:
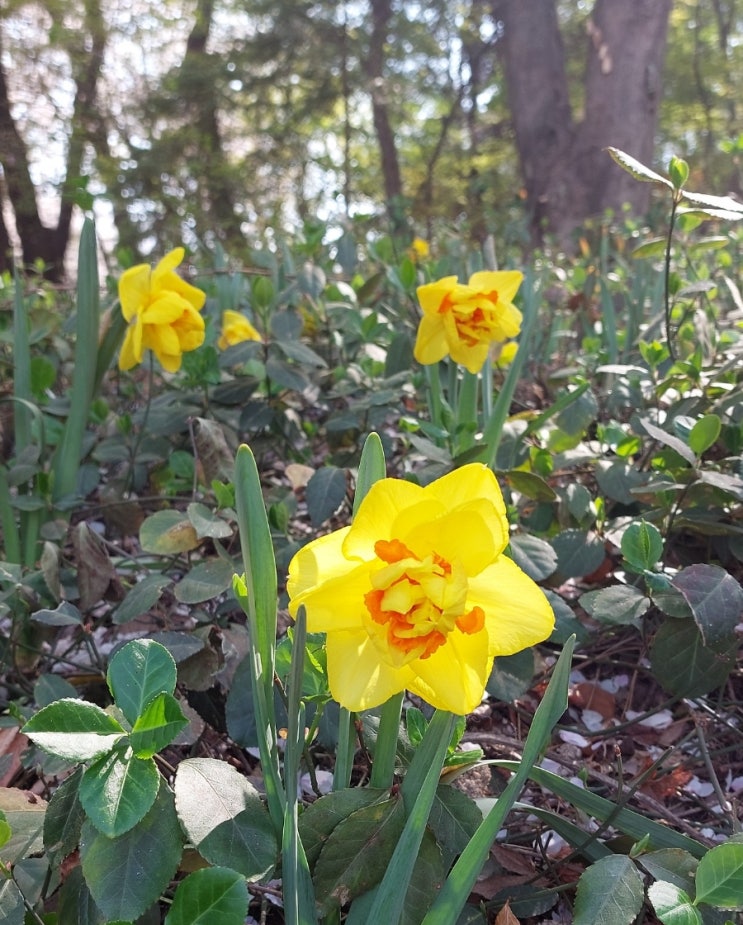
{"points": [[672, 905], [224, 817], [141, 597], [720, 877], [117, 791], [74, 730], [138, 672], [704, 433], [157, 725], [684, 665], [326, 491], [610, 891], [357, 852], [166, 533], [715, 598], [208, 896], [125, 875], [642, 545]]}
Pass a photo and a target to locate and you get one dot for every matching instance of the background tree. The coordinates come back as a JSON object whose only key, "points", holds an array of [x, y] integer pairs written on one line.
{"points": [[567, 174], [232, 120]]}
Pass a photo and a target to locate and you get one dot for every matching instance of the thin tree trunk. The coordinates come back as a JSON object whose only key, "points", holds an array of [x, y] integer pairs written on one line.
{"points": [[37, 242], [204, 106], [381, 12]]}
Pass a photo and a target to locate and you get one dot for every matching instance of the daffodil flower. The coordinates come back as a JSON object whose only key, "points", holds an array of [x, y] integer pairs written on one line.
{"points": [[235, 329], [417, 595], [163, 313], [462, 321]]}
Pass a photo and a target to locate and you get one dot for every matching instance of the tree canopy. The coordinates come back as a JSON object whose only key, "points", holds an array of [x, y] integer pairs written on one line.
{"points": [[215, 120]]}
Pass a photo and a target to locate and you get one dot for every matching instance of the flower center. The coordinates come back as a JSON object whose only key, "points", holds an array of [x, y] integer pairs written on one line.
{"points": [[418, 601]]}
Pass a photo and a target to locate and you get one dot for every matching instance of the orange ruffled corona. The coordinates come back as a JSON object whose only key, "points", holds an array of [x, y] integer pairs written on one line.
{"points": [[417, 595]]}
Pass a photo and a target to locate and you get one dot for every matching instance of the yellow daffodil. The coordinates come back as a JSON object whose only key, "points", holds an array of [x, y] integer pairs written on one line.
{"points": [[419, 249], [417, 595], [235, 329], [464, 320], [163, 313]]}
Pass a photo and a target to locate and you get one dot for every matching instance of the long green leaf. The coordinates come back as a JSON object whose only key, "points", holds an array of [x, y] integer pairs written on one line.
{"points": [[372, 468], [21, 368], [626, 820], [260, 603], [494, 427], [69, 452], [390, 895], [458, 885]]}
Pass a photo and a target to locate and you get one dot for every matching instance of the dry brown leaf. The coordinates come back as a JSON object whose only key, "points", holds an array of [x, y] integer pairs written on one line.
{"points": [[506, 917]]}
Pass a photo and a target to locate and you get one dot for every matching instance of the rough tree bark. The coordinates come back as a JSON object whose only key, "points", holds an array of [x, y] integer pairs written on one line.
{"points": [[40, 242], [567, 174], [381, 14]]}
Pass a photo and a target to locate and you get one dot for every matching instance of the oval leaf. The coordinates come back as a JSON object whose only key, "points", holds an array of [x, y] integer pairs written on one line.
{"points": [[157, 725], [326, 491], [125, 875], [215, 894], [684, 665], [705, 432], [74, 730], [117, 791], [138, 672], [610, 891], [166, 533], [223, 815], [715, 598], [672, 905], [357, 852], [141, 597], [642, 545], [578, 553], [720, 877], [205, 581]]}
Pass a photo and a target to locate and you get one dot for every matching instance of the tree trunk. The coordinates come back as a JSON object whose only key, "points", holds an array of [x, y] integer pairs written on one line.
{"points": [[37, 242], [567, 173], [381, 12]]}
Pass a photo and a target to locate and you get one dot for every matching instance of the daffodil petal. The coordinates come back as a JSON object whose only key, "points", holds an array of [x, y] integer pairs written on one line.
{"points": [[464, 535], [131, 348], [431, 295], [474, 481], [505, 282], [430, 342], [134, 290], [376, 516], [454, 677], [517, 613], [358, 679]]}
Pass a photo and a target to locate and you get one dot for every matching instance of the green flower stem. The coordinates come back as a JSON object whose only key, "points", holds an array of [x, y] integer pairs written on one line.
{"points": [[458, 885], [466, 424], [426, 768], [499, 415], [345, 750], [383, 769], [434, 394], [298, 894], [486, 379], [11, 538]]}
